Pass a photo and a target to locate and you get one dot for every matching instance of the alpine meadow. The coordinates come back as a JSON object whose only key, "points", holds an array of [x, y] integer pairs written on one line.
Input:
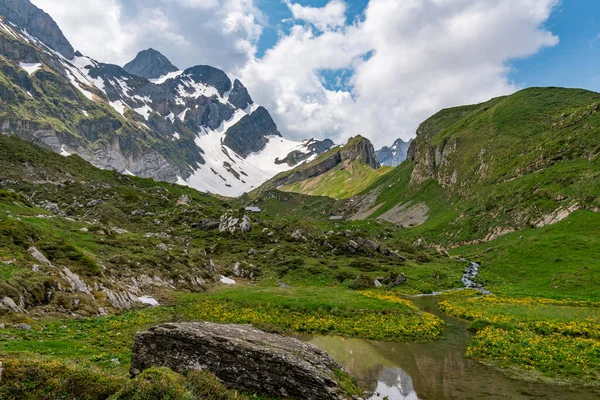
{"points": [[165, 236]]}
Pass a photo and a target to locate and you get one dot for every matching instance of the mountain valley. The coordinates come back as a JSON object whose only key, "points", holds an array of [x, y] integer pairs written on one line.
{"points": [[143, 199]]}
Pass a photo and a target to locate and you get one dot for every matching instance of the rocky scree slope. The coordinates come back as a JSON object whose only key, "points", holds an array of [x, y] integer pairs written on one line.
{"points": [[174, 128], [477, 172]]}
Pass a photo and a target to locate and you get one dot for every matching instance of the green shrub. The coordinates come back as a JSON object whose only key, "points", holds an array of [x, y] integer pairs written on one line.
{"points": [[24, 379], [154, 384]]}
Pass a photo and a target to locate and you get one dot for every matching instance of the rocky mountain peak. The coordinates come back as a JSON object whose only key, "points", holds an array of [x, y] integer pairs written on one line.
{"points": [[37, 23], [252, 133], [210, 76], [239, 96], [150, 64], [393, 155], [360, 148]]}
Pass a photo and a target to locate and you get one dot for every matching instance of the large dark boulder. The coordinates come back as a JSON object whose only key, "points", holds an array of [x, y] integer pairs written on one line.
{"points": [[150, 64], [241, 357]]}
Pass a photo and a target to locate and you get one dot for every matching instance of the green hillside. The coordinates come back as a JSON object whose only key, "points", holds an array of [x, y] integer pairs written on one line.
{"points": [[345, 180], [528, 159]]}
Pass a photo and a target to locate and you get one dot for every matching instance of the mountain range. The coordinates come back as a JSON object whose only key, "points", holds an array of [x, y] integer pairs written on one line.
{"points": [[149, 119]]}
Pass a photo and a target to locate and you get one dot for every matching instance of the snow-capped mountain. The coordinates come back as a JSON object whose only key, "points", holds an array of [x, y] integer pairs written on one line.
{"points": [[149, 119], [395, 154]]}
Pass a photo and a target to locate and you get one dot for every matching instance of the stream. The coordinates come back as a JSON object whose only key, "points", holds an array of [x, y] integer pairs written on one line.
{"points": [[438, 370]]}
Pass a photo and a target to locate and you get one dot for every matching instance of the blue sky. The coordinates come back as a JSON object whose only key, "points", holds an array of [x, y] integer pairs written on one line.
{"points": [[575, 61], [338, 68]]}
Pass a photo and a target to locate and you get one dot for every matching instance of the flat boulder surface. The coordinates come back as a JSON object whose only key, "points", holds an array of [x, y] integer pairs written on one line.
{"points": [[241, 357]]}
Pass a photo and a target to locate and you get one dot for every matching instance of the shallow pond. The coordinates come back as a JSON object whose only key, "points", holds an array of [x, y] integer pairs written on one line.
{"points": [[434, 371]]}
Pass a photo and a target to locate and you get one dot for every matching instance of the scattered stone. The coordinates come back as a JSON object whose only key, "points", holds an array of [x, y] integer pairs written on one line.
{"points": [[115, 361], [241, 357], [184, 200], [162, 247], [393, 280], [297, 235], [372, 245], [231, 223], [94, 203], [25, 327], [244, 270], [35, 253], [77, 284], [353, 244], [84, 230], [35, 268]]}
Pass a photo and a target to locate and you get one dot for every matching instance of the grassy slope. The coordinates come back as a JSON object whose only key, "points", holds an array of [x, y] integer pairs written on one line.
{"points": [[557, 261], [341, 182]]}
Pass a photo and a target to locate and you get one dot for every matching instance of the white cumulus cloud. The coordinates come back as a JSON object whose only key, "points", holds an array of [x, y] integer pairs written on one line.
{"points": [[333, 15], [407, 59]]}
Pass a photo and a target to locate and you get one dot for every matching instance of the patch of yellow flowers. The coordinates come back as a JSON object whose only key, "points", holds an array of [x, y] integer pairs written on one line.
{"points": [[389, 326], [555, 337]]}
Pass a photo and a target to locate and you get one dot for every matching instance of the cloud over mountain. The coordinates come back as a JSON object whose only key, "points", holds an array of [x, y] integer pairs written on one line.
{"points": [[379, 73]]}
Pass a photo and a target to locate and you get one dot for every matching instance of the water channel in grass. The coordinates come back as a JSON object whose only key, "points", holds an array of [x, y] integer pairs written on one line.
{"points": [[435, 371]]}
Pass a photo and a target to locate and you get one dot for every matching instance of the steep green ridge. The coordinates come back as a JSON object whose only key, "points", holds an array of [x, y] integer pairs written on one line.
{"points": [[343, 181], [528, 159], [358, 150]]}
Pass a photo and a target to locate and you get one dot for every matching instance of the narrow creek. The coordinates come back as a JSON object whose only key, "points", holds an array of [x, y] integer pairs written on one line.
{"points": [[437, 370]]}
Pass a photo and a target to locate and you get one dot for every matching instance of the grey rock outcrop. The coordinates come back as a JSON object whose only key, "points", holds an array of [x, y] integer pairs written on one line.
{"points": [[230, 222], [239, 96], [26, 15], [250, 134], [241, 357], [150, 64]]}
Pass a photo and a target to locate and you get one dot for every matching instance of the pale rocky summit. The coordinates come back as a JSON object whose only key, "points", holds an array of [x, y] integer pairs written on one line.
{"points": [[241, 357], [150, 64]]}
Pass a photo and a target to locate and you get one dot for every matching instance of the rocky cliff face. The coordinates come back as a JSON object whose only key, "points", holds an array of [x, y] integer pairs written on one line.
{"points": [[148, 119], [251, 134], [239, 96], [150, 64], [39, 24], [395, 154]]}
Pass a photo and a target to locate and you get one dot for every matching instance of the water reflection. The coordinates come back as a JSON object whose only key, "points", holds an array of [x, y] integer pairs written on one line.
{"points": [[394, 383], [435, 370]]}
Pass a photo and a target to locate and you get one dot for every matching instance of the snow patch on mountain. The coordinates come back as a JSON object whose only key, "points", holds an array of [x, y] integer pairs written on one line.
{"points": [[31, 68], [164, 78]]}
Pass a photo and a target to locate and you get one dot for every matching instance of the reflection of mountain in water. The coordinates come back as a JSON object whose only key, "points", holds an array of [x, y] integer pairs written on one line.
{"points": [[395, 384], [437, 370]]}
